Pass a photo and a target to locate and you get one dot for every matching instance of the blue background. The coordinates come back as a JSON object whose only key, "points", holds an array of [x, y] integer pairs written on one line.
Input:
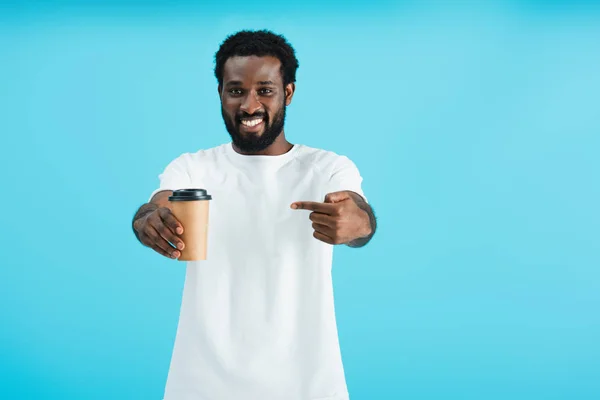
{"points": [[476, 129]]}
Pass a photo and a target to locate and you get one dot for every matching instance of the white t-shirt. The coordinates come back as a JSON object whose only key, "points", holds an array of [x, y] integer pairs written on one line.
{"points": [[257, 318]]}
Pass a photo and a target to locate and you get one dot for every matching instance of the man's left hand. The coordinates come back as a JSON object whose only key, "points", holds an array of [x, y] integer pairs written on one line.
{"points": [[338, 220]]}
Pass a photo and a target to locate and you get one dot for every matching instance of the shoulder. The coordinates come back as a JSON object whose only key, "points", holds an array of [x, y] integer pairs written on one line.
{"points": [[321, 158], [324, 160], [202, 157]]}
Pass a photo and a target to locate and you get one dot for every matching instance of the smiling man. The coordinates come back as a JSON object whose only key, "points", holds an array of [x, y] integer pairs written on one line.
{"points": [[257, 317]]}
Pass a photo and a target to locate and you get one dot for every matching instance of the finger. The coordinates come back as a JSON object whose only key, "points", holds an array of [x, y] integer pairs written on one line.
{"points": [[322, 237], [322, 219], [149, 240], [336, 197], [324, 229], [159, 244], [170, 221], [173, 240], [167, 234], [163, 252], [329, 209]]}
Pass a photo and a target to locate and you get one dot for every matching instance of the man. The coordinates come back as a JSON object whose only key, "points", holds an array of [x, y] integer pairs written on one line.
{"points": [[257, 317]]}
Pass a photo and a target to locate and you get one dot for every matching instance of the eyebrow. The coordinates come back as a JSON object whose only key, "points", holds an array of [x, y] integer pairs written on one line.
{"points": [[233, 83], [239, 83]]}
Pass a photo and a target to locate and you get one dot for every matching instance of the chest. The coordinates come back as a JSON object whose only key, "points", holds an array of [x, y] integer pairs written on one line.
{"points": [[250, 209]]}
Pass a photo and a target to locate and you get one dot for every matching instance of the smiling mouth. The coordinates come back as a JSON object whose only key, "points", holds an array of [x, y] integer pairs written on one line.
{"points": [[252, 125], [251, 122]]}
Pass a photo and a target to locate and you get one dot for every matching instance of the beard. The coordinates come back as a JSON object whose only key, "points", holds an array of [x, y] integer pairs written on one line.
{"points": [[254, 142]]}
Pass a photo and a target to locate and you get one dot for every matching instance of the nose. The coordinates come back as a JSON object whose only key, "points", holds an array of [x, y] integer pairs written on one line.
{"points": [[250, 103]]}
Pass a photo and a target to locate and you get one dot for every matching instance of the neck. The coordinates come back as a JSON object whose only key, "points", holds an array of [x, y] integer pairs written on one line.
{"points": [[278, 147]]}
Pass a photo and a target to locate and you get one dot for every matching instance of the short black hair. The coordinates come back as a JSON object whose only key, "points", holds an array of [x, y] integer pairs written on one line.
{"points": [[258, 43]]}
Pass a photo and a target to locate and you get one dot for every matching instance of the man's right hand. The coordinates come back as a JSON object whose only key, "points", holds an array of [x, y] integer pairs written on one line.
{"points": [[159, 229]]}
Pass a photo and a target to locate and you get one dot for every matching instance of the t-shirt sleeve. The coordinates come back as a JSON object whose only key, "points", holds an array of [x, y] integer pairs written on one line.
{"points": [[175, 176], [345, 176]]}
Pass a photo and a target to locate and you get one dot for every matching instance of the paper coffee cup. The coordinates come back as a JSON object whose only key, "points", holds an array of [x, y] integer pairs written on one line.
{"points": [[190, 207]]}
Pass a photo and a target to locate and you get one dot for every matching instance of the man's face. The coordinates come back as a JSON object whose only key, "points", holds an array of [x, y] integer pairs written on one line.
{"points": [[253, 101]]}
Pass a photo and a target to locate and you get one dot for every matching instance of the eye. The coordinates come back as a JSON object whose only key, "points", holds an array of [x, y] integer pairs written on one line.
{"points": [[235, 92], [265, 91]]}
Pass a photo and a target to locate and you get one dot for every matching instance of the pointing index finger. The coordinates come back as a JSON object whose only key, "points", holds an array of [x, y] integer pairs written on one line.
{"points": [[324, 208]]}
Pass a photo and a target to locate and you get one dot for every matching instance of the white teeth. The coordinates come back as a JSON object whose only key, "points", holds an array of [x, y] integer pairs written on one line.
{"points": [[252, 122]]}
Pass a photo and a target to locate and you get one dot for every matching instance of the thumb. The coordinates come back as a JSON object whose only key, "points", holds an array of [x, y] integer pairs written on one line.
{"points": [[336, 197]]}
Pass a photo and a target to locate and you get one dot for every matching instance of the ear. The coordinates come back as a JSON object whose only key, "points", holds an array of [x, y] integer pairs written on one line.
{"points": [[289, 93], [219, 88]]}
